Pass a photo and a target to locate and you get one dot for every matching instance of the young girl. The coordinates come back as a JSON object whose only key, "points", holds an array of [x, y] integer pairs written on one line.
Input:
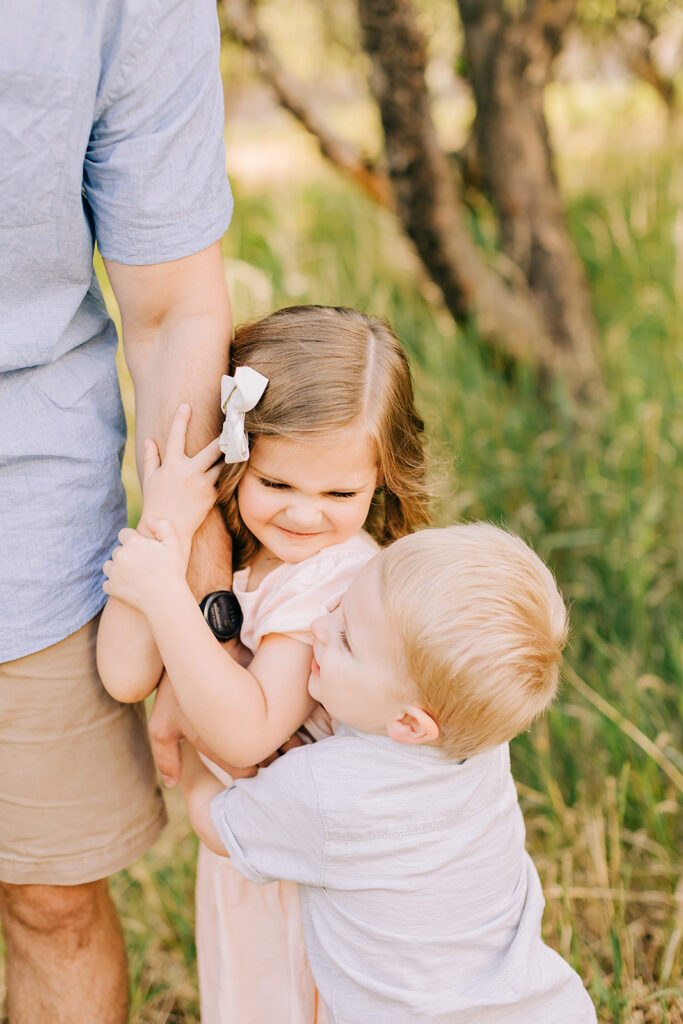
{"points": [[321, 439]]}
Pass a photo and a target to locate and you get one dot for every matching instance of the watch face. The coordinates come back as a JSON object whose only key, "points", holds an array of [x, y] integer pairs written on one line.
{"points": [[224, 615]]}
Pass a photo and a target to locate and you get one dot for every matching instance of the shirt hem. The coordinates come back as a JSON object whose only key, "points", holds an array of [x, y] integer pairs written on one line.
{"points": [[90, 610], [148, 258], [86, 867]]}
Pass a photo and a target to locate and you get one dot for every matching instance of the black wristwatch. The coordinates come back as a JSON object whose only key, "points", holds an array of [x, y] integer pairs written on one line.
{"points": [[222, 611]]}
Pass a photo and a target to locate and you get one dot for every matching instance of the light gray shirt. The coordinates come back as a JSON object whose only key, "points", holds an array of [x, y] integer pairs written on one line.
{"points": [[419, 902], [111, 129]]}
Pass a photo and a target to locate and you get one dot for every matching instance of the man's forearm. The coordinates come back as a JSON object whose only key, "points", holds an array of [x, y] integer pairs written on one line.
{"points": [[211, 558], [184, 360], [176, 336]]}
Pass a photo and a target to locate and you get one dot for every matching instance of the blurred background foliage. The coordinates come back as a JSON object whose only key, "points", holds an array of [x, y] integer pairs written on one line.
{"points": [[595, 486]]}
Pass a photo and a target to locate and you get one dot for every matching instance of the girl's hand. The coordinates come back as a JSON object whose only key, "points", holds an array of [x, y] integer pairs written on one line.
{"points": [[180, 489], [145, 571]]}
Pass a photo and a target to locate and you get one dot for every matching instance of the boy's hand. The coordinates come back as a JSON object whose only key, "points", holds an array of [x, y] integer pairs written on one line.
{"points": [[144, 570], [200, 786], [180, 489]]}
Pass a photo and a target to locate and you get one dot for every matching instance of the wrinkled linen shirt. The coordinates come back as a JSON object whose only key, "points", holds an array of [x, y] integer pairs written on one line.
{"points": [[111, 129], [418, 900]]}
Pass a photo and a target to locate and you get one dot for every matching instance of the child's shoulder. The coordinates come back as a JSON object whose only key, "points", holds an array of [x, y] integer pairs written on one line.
{"points": [[360, 546], [348, 557], [355, 770], [289, 598]]}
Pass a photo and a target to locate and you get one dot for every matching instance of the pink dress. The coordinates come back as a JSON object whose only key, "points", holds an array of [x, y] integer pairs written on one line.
{"points": [[252, 961]]}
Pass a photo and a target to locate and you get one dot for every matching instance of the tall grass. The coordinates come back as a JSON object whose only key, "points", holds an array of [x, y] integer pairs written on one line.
{"points": [[597, 495]]}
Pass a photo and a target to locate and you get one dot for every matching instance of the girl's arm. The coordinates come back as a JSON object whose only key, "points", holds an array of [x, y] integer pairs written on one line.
{"points": [[243, 715], [182, 490], [128, 659], [200, 786]]}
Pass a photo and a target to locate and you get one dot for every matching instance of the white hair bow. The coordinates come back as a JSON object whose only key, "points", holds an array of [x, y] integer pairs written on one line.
{"points": [[239, 394]]}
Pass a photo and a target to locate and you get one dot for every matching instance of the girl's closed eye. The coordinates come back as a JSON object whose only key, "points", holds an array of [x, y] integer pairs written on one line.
{"points": [[344, 640], [273, 483], [342, 494]]}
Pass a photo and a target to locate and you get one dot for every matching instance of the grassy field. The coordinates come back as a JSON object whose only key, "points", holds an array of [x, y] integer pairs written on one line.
{"points": [[597, 495]]}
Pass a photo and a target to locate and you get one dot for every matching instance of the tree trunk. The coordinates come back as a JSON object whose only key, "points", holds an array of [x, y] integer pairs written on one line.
{"points": [[427, 200], [510, 59]]}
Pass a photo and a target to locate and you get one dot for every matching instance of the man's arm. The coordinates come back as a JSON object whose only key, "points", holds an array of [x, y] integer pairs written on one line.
{"points": [[176, 335], [176, 338]]}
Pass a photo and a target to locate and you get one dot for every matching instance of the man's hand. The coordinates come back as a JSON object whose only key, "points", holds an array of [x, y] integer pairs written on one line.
{"points": [[180, 489], [167, 727]]}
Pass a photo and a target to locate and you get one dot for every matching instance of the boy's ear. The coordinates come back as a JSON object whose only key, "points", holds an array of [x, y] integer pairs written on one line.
{"points": [[414, 726]]}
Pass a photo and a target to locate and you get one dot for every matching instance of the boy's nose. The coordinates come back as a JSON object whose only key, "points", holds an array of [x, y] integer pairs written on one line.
{"points": [[319, 628]]}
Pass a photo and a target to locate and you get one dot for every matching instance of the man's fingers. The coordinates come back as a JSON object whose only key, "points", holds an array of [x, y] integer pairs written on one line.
{"points": [[165, 731], [168, 760], [150, 460], [166, 751], [175, 444], [161, 529], [290, 744], [206, 457]]}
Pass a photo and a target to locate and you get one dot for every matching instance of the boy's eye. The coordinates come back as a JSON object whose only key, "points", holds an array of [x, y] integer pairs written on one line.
{"points": [[272, 483], [344, 640]]}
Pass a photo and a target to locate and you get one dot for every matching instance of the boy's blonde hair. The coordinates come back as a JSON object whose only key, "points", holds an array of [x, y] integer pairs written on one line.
{"points": [[483, 625], [330, 368]]}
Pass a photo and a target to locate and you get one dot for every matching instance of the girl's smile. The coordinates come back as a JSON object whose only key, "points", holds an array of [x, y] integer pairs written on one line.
{"points": [[298, 497], [299, 533]]}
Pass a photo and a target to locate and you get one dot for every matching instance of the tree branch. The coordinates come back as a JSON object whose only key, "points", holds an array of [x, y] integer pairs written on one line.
{"points": [[636, 52], [241, 23]]}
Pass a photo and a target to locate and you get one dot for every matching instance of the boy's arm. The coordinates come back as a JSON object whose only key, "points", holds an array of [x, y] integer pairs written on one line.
{"points": [[200, 786], [273, 826], [176, 335]]}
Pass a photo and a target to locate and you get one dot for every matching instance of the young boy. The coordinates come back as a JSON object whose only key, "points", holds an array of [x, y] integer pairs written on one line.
{"points": [[419, 902]]}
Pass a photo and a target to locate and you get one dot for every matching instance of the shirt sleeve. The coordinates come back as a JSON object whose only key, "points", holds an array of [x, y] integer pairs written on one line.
{"points": [[154, 171], [312, 588], [271, 825]]}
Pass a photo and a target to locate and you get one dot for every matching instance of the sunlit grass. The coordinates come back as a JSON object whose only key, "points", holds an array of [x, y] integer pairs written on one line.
{"points": [[600, 500], [598, 496]]}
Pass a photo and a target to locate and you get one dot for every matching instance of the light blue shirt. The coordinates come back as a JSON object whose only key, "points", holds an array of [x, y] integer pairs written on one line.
{"points": [[418, 900], [111, 129]]}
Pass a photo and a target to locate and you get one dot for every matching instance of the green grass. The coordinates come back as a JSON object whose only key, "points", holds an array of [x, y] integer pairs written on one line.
{"points": [[597, 495], [599, 498]]}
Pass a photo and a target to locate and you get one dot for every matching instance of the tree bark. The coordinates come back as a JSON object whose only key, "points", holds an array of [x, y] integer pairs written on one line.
{"points": [[510, 59], [515, 311], [427, 199]]}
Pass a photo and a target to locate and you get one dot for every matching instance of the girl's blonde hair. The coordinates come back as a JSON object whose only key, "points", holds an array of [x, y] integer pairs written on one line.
{"points": [[483, 626], [330, 368]]}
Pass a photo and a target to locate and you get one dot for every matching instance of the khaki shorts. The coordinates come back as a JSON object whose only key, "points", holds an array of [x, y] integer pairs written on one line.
{"points": [[78, 792]]}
